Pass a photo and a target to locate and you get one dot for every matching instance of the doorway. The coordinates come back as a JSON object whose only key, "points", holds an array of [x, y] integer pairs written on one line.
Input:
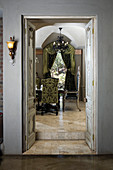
{"points": [[29, 118]]}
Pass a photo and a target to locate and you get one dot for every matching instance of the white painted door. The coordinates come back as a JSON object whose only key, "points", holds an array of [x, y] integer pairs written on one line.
{"points": [[29, 85], [89, 56]]}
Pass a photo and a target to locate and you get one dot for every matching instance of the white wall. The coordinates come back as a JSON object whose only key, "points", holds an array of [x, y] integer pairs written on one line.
{"points": [[12, 11], [1, 13]]}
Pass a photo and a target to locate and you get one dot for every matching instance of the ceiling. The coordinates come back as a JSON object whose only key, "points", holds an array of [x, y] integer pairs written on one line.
{"points": [[48, 30]]}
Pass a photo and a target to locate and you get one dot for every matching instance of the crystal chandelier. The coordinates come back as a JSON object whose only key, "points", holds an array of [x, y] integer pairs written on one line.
{"points": [[60, 45]]}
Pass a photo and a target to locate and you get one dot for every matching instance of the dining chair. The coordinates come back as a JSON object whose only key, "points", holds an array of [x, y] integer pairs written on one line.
{"points": [[49, 95], [77, 91], [38, 82], [38, 93]]}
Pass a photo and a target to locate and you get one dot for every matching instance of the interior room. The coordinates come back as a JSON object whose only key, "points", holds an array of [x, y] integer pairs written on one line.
{"points": [[60, 55]]}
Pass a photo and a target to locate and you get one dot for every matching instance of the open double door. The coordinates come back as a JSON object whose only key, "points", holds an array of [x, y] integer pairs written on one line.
{"points": [[29, 109]]}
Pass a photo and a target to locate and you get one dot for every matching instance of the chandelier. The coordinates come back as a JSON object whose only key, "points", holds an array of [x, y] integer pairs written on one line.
{"points": [[60, 45]]}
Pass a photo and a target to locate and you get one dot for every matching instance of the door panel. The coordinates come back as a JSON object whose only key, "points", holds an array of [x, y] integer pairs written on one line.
{"points": [[29, 85], [90, 84]]}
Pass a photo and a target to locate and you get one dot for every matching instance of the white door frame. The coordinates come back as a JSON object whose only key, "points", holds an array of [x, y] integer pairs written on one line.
{"points": [[82, 19]]}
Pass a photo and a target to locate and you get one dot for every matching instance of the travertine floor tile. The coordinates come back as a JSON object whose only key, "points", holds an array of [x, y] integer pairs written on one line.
{"points": [[62, 127], [64, 147], [71, 120]]}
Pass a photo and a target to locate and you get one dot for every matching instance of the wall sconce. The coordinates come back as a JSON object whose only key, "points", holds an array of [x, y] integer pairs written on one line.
{"points": [[11, 47]]}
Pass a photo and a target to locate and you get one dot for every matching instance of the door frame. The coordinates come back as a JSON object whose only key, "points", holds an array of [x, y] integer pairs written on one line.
{"points": [[76, 19]]}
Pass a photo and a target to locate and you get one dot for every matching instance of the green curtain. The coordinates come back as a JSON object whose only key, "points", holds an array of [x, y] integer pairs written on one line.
{"points": [[49, 55], [69, 60]]}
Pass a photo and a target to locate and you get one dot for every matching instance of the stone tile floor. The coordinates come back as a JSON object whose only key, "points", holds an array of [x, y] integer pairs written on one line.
{"points": [[59, 147], [67, 126], [70, 124], [71, 120]]}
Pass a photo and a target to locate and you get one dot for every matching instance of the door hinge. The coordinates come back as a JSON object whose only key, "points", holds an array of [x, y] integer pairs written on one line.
{"points": [[93, 137], [25, 30], [93, 31], [93, 83]]}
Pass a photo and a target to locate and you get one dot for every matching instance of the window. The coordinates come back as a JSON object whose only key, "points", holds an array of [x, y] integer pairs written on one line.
{"points": [[58, 70]]}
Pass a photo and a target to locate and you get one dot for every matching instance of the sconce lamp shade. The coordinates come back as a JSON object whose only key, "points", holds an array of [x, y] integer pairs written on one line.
{"points": [[10, 44], [11, 47]]}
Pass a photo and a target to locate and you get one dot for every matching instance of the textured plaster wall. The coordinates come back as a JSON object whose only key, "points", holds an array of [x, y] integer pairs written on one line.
{"points": [[12, 11]]}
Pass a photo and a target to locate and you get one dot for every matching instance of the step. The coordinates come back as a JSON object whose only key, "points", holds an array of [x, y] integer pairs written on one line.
{"points": [[61, 135]]}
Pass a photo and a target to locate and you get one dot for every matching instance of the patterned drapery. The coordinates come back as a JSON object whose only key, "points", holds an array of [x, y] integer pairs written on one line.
{"points": [[69, 60], [49, 55]]}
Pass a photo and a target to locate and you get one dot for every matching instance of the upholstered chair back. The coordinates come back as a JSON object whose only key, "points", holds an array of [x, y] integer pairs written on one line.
{"points": [[49, 90]]}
